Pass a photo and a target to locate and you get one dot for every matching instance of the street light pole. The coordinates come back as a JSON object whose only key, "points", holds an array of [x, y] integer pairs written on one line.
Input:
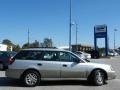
{"points": [[28, 37], [70, 27], [114, 38], [76, 35]]}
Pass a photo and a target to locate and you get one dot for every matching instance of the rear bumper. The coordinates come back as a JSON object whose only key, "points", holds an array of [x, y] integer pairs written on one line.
{"points": [[111, 75], [14, 73]]}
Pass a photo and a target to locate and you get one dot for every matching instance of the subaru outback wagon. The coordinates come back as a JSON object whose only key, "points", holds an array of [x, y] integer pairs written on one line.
{"points": [[33, 65]]}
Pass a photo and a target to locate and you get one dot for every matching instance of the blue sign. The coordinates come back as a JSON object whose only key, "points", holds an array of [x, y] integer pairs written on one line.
{"points": [[100, 31]]}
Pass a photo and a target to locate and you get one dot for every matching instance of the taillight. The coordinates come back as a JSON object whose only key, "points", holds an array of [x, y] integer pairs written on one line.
{"points": [[11, 60]]}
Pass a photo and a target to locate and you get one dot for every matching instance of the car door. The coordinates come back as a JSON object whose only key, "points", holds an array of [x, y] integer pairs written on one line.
{"points": [[70, 68], [49, 65], [45, 61]]}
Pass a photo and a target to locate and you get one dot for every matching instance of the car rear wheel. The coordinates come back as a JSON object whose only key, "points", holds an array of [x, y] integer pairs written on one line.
{"points": [[3, 67], [98, 77], [31, 78]]}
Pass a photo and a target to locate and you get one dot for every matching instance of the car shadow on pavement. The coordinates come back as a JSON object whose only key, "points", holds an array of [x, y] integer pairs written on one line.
{"points": [[4, 81], [65, 83]]}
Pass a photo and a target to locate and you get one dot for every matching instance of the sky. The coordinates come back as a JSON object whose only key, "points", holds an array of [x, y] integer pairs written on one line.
{"points": [[50, 18]]}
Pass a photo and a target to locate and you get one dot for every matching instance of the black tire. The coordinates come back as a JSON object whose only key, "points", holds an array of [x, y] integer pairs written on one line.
{"points": [[98, 77], [5, 67], [1, 68], [31, 78]]}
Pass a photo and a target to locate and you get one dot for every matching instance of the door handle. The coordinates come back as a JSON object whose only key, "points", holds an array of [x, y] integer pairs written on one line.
{"points": [[64, 65], [39, 64]]}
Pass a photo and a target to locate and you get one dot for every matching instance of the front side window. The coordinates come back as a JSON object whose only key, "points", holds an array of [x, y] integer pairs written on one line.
{"points": [[64, 56], [50, 56], [67, 57]]}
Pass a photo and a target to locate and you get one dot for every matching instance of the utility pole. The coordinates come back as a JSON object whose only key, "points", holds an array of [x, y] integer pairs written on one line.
{"points": [[28, 38], [76, 36], [114, 38], [70, 27]]}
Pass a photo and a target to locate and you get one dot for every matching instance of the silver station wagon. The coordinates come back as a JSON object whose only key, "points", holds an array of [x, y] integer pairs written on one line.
{"points": [[36, 64]]}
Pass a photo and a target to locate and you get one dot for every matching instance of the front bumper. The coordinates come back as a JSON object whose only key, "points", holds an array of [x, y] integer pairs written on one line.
{"points": [[111, 75]]}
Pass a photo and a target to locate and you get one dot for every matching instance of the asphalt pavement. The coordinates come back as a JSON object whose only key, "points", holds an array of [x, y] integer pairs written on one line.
{"points": [[12, 84]]}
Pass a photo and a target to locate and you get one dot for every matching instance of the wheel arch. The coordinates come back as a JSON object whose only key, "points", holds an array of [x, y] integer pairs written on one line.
{"points": [[91, 73], [30, 69]]}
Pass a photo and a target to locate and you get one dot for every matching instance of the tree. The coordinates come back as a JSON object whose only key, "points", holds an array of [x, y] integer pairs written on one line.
{"points": [[48, 42], [26, 45], [35, 44], [16, 48], [11, 46], [7, 42]]}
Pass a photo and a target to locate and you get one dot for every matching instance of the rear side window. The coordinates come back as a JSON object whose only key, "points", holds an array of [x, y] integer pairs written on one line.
{"points": [[37, 55], [29, 55]]}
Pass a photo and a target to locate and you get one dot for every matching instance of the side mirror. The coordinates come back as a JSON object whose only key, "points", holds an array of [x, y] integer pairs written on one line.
{"points": [[76, 60], [87, 60]]}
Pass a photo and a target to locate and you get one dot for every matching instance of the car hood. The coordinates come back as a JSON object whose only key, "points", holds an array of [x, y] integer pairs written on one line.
{"points": [[98, 65]]}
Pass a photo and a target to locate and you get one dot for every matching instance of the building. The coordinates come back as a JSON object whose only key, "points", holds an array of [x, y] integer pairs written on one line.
{"points": [[81, 47], [78, 47], [63, 47], [4, 47]]}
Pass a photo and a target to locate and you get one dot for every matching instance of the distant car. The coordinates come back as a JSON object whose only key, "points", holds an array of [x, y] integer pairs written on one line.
{"points": [[110, 53], [87, 55], [36, 64], [94, 53], [115, 53], [83, 55], [118, 52], [4, 58]]}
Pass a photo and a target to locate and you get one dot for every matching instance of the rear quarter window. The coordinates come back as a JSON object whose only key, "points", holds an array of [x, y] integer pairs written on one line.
{"points": [[29, 55]]}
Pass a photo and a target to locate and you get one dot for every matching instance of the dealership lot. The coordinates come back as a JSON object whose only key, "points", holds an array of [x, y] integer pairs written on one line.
{"points": [[11, 84]]}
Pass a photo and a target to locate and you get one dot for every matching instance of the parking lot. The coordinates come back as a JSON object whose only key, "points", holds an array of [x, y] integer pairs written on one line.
{"points": [[11, 84]]}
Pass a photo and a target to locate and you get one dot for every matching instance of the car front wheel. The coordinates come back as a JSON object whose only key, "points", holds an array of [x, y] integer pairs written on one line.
{"points": [[98, 78]]}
